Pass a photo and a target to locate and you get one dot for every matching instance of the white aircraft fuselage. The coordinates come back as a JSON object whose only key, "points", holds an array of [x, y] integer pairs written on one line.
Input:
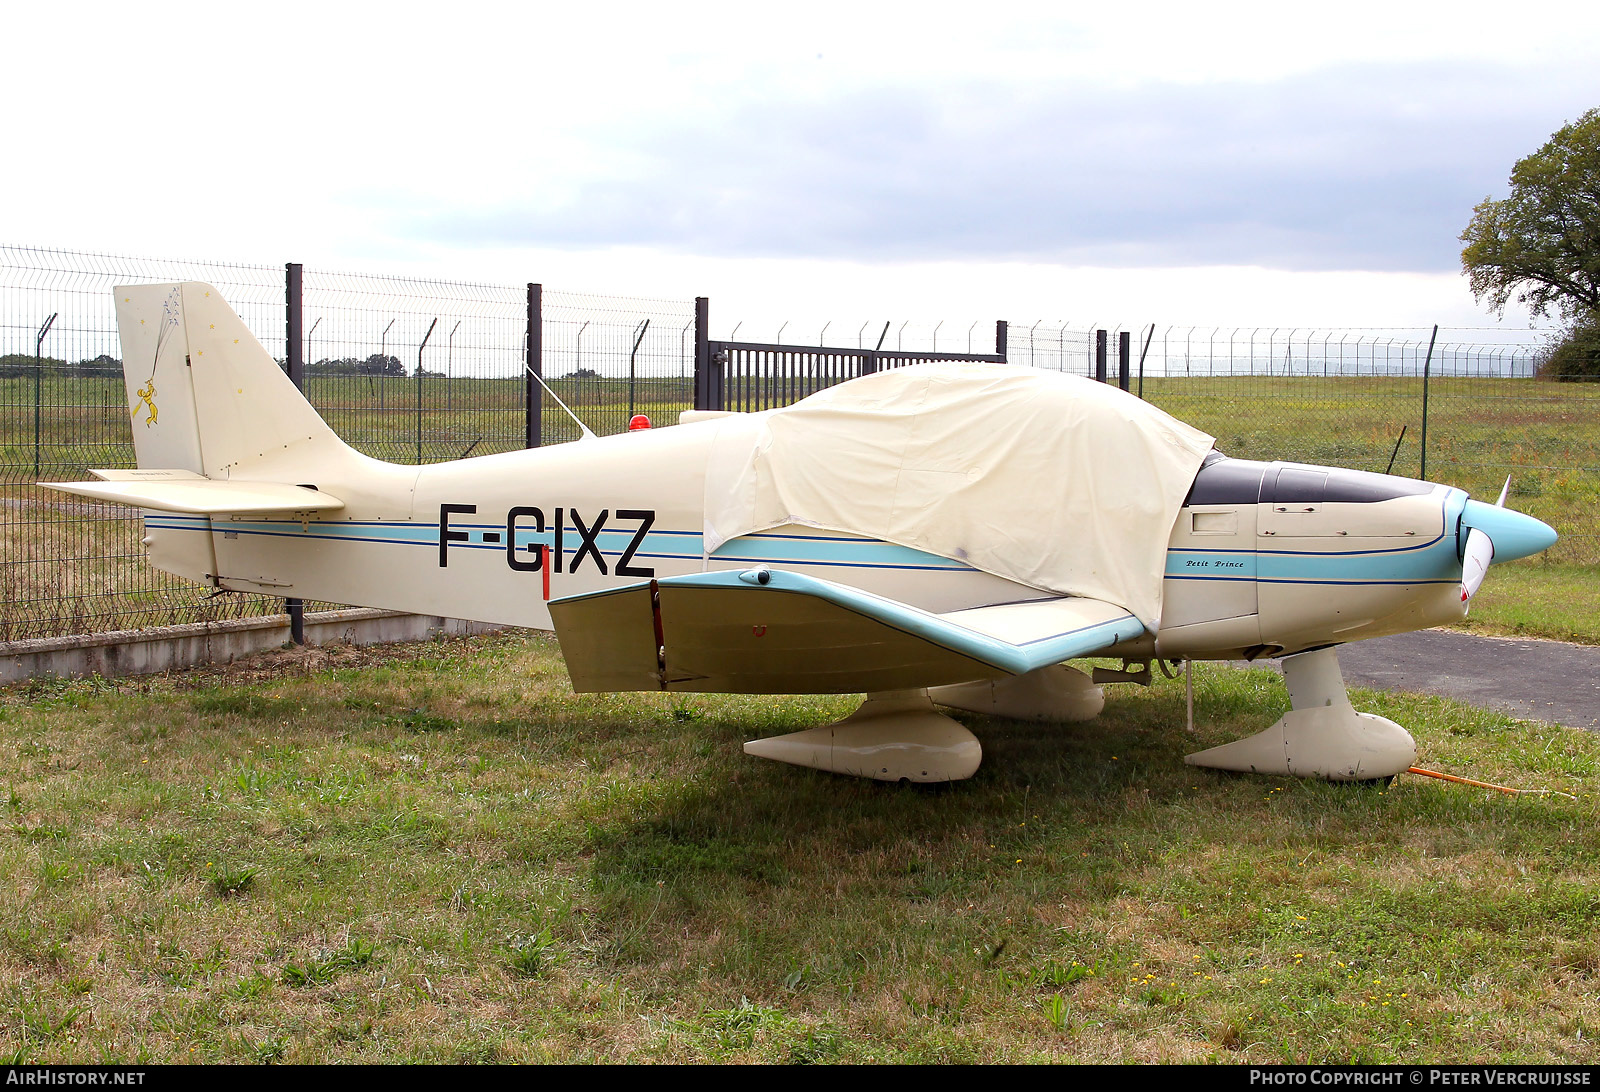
{"points": [[1265, 558]]}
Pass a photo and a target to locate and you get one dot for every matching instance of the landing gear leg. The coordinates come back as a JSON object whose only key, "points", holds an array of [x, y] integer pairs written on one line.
{"points": [[1321, 736]]}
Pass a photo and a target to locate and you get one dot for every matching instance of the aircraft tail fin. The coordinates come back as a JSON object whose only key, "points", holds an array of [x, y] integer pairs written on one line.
{"points": [[218, 429], [206, 396]]}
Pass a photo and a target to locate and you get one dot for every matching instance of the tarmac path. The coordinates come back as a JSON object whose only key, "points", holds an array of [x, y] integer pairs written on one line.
{"points": [[1527, 678]]}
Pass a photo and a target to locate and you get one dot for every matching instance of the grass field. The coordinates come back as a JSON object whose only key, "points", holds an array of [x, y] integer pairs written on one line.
{"points": [[440, 854], [1532, 599], [74, 566]]}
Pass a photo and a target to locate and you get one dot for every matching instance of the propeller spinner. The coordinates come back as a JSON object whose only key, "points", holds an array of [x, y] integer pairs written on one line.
{"points": [[1492, 532]]}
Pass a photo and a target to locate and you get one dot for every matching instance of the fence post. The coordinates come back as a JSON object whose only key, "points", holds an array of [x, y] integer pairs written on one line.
{"points": [[632, 368], [533, 370], [1427, 366], [869, 363], [1142, 354], [702, 354], [38, 391], [1000, 336], [1100, 356], [1123, 355], [421, 347], [294, 351]]}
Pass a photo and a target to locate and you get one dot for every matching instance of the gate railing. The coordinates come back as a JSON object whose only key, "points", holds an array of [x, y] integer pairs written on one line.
{"points": [[748, 376]]}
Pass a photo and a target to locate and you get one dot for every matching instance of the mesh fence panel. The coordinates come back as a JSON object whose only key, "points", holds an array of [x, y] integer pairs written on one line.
{"points": [[74, 566], [416, 370], [609, 358], [404, 369]]}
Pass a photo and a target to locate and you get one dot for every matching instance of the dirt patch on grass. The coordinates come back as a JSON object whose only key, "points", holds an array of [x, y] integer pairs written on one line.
{"points": [[294, 662], [283, 663]]}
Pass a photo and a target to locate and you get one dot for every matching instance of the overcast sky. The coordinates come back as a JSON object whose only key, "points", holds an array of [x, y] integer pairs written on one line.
{"points": [[1173, 163]]}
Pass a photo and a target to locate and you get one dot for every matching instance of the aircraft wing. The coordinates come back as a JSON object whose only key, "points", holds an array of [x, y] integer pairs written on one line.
{"points": [[763, 631]]}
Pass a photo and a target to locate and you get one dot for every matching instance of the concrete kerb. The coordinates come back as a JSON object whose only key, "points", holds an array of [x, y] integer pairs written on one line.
{"points": [[147, 651]]}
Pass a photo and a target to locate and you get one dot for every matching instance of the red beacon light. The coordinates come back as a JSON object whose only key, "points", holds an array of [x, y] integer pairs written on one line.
{"points": [[638, 422]]}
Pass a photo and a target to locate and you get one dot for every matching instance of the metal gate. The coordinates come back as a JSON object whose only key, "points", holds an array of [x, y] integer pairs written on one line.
{"points": [[748, 376]]}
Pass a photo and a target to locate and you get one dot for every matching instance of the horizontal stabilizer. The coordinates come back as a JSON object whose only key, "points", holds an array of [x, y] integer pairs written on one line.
{"points": [[188, 492], [769, 632]]}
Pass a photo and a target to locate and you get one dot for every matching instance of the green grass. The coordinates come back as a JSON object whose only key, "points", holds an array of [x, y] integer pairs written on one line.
{"points": [[1538, 599], [453, 858]]}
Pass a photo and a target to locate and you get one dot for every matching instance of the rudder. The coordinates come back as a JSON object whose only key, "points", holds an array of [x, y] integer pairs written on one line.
{"points": [[155, 371]]}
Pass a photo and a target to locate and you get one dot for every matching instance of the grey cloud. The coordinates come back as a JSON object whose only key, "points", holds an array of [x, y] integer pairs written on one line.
{"points": [[1374, 167]]}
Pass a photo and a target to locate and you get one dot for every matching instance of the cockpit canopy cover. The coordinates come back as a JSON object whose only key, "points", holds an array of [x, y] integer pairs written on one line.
{"points": [[1053, 481]]}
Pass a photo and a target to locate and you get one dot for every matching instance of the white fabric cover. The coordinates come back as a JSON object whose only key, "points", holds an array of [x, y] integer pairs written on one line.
{"points": [[1054, 481]]}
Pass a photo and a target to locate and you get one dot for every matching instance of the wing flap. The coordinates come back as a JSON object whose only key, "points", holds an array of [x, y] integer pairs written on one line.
{"points": [[609, 640], [1038, 622], [766, 632], [184, 491]]}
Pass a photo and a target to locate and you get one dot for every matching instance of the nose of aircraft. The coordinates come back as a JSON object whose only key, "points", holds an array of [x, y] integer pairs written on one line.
{"points": [[1514, 535]]}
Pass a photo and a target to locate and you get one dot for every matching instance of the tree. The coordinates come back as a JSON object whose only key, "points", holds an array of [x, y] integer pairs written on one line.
{"points": [[1541, 245], [375, 364], [379, 364], [347, 365], [1574, 355], [102, 365], [15, 364]]}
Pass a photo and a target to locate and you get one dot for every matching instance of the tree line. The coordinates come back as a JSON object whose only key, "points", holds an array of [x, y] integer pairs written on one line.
{"points": [[16, 365], [13, 365], [376, 364]]}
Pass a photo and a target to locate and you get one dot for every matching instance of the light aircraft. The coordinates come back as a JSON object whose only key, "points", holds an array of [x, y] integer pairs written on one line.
{"points": [[931, 536]]}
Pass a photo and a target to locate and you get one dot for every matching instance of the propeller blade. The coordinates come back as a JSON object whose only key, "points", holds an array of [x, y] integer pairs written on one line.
{"points": [[1475, 559], [1504, 489]]}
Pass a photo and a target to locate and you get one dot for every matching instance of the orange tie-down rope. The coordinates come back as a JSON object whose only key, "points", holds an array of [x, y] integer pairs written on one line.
{"points": [[1485, 784]]}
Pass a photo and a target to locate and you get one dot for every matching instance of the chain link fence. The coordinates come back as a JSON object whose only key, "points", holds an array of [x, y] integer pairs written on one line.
{"points": [[418, 370]]}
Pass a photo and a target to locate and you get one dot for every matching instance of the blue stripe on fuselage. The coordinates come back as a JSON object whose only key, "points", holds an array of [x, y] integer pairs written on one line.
{"points": [[1434, 561], [660, 545], [770, 549]]}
